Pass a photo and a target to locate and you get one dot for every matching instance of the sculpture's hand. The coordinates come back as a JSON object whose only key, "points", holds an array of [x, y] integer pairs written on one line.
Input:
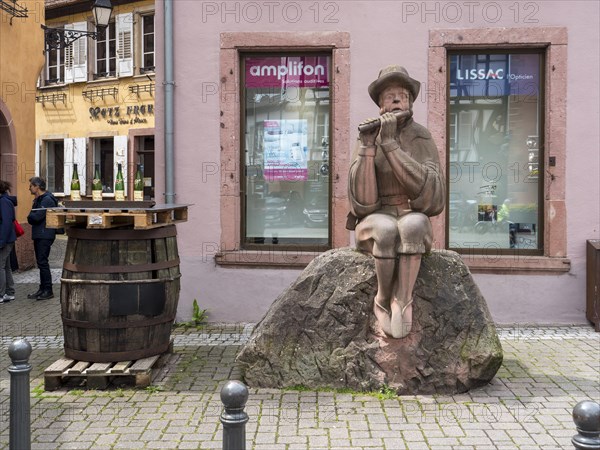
{"points": [[389, 125], [367, 137], [403, 118]]}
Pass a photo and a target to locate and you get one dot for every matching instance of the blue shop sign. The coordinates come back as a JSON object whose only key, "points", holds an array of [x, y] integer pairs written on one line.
{"points": [[495, 75]]}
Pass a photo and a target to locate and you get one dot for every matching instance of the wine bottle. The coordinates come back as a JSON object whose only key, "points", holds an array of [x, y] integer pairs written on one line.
{"points": [[138, 185], [75, 186], [97, 185], [119, 185]]}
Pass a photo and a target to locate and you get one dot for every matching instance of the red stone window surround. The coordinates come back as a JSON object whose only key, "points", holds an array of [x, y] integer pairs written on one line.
{"points": [[232, 45], [554, 41]]}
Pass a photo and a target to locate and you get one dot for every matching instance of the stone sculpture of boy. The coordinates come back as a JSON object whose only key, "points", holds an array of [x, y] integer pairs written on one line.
{"points": [[395, 185]]}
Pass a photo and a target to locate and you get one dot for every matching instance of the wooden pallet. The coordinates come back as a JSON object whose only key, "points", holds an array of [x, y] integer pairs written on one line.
{"points": [[68, 372], [104, 218]]}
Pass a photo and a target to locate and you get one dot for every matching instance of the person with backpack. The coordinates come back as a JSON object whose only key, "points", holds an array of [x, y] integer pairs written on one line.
{"points": [[43, 237], [7, 241]]}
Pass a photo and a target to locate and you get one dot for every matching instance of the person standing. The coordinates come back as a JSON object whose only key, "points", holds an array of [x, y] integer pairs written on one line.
{"points": [[7, 241], [43, 237]]}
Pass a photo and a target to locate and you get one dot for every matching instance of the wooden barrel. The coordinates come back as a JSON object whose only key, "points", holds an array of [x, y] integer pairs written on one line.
{"points": [[119, 293]]}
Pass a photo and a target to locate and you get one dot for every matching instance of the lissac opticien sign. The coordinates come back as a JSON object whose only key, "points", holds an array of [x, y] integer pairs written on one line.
{"points": [[481, 74], [495, 74]]}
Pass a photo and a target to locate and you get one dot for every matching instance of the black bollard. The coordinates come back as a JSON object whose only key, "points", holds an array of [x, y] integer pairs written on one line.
{"points": [[586, 416], [234, 396], [20, 421]]}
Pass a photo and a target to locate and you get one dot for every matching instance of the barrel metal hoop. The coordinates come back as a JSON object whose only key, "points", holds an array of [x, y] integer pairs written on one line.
{"points": [[129, 355], [156, 280], [116, 325], [121, 235], [82, 268]]}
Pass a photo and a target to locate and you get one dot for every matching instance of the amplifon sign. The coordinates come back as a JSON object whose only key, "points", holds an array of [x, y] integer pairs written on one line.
{"points": [[287, 71]]}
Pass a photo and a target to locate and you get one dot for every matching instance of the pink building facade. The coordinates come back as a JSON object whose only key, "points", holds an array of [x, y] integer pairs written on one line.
{"points": [[267, 99]]}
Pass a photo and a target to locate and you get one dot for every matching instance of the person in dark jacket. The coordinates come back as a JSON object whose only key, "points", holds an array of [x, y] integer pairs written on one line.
{"points": [[43, 237], [7, 241]]}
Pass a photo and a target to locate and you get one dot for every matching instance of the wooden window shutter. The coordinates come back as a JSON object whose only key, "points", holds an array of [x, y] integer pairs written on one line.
{"points": [[79, 57], [125, 44]]}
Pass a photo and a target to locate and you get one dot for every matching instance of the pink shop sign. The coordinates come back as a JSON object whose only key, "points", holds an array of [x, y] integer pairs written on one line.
{"points": [[287, 71]]}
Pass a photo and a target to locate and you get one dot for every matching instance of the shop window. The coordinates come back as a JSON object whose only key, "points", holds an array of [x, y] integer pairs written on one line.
{"points": [[53, 167], [55, 159], [503, 142], [495, 151], [147, 47], [286, 101], [145, 157], [284, 164], [103, 149]]}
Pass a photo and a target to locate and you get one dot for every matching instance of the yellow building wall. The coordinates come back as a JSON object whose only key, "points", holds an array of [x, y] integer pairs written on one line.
{"points": [[21, 59], [116, 113], [109, 108]]}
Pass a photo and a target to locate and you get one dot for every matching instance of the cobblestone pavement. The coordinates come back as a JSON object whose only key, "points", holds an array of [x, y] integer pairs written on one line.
{"points": [[528, 405]]}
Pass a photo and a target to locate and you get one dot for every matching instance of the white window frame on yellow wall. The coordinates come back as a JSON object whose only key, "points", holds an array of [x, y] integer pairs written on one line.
{"points": [[104, 41], [142, 47], [60, 67]]}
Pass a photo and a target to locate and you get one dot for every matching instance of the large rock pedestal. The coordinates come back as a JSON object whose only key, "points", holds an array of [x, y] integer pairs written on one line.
{"points": [[321, 332]]}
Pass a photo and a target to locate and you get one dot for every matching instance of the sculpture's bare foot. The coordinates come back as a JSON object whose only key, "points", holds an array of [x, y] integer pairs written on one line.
{"points": [[383, 317], [401, 322]]}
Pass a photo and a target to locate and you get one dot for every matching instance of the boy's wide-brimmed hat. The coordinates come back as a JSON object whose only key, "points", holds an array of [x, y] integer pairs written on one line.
{"points": [[390, 75]]}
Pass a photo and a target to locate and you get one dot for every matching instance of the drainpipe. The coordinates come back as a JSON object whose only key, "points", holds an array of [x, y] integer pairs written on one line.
{"points": [[169, 86]]}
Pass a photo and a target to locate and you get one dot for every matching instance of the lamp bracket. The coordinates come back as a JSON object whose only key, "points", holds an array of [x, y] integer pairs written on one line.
{"points": [[12, 8], [59, 38]]}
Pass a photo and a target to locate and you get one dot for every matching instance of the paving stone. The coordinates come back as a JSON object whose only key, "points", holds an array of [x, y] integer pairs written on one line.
{"points": [[340, 443], [444, 442], [413, 436], [130, 444], [317, 441], [371, 442]]}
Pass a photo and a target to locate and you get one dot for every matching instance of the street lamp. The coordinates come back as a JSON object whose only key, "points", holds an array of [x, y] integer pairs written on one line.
{"points": [[57, 38]]}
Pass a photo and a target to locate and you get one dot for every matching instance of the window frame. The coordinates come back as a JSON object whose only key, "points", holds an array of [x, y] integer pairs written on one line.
{"points": [[553, 42], [541, 141], [45, 157], [291, 246], [144, 70], [232, 46], [60, 68], [95, 157], [106, 40]]}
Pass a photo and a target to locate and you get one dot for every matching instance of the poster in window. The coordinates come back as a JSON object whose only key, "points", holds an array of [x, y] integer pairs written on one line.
{"points": [[285, 144]]}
